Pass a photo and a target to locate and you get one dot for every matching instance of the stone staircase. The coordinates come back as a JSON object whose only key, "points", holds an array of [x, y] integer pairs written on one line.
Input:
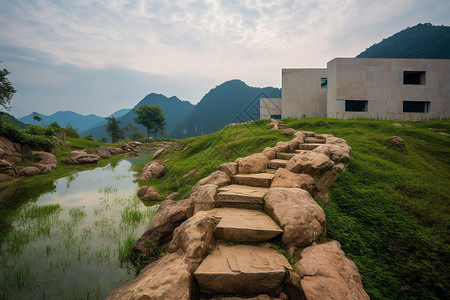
{"points": [[241, 268]]}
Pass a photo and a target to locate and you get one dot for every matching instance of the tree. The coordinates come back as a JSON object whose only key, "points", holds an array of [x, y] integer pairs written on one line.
{"points": [[152, 118], [6, 89], [37, 117], [113, 129]]}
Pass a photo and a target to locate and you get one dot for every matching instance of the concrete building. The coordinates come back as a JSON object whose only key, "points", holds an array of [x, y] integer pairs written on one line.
{"points": [[394, 89]]}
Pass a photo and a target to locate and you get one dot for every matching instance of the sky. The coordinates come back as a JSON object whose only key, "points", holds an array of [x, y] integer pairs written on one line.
{"points": [[99, 56]]}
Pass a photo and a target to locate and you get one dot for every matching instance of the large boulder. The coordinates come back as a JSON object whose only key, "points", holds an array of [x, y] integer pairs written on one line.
{"points": [[309, 162], [103, 152], [302, 219], [29, 171], [159, 152], [327, 274], [270, 153], [9, 151], [204, 197], [255, 163], [194, 237], [168, 278], [229, 168], [218, 178], [158, 234], [149, 193], [8, 169], [287, 179], [154, 169], [83, 158], [336, 152], [46, 161]]}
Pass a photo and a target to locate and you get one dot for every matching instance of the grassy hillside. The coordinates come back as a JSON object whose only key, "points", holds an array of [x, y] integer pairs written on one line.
{"points": [[389, 209]]}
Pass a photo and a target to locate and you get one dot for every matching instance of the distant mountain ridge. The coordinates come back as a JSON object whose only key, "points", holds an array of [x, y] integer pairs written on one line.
{"points": [[231, 102], [63, 118], [420, 41], [174, 109]]}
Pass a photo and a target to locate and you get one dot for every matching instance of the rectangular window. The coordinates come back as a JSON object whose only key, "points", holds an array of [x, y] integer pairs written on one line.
{"points": [[416, 106], [414, 77], [356, 105], [276, 117], [323, 83]]}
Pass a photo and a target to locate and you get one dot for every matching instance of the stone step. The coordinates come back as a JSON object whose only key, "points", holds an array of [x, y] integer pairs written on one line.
{"points": [[277, 163], [241, 196], [258, 179], [308, 146], [244, 225], [241, 269], [313, 140], [285, 155]]}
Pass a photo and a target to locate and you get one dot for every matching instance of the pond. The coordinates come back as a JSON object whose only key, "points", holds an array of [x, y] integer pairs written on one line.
{"points": [[72, 243]]}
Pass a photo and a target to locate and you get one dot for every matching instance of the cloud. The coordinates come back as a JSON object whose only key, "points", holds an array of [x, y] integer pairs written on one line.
{"points": [[194, 40]]}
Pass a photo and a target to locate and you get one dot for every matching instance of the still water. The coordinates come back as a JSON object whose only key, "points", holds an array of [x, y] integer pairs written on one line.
{"points": [[72, 242]]}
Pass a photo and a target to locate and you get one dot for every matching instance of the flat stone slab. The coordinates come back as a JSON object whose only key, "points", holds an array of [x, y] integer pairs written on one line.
{"points": [[241, 194], [314, 140], [241, 269], [307, 146], [258, 179], [244, 225], [277, 163], [285, 155]]}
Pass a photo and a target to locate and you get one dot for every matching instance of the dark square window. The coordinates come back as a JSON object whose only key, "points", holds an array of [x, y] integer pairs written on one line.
{"points": [[275, 117], [416, 106], [356, 105], [414, 77], [323, 83]]}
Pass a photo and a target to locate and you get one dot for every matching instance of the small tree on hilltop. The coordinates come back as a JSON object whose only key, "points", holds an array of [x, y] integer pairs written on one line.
{"points": [[113, 129], [152, 118], [6, 89]]}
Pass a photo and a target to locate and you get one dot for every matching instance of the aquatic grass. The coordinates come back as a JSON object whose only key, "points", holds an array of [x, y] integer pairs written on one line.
{"points": [[40, 211], [131, 216], [126, 250], [77, 214]]}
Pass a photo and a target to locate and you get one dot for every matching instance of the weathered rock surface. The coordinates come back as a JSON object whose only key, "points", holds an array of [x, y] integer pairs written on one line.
{"points": [[229, 168], [83, 159], [244, 225], [309, 162], [398, 142], [270, 153], [218, 178], [169, 216], [173, 196], [168, 278], [241, 269], [204, 197], [153, 169], [29, 171], [302, 219], [194, 237], [256, 179], [159, 152], [286, 179], [255, 163], [288, 131], [103, 152], [8, 169], [236, 193], [336, 152], [11, 152], [149, 193], [327, 274]]}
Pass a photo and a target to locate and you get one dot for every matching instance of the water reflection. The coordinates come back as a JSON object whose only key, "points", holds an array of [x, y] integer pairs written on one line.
{"points": [[69, 243]]}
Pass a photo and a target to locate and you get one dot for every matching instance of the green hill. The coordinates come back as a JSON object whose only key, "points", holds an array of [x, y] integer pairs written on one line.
{"points": [[389, 209], [174, 109], [420, 41], [230, 102], [11, 119]]}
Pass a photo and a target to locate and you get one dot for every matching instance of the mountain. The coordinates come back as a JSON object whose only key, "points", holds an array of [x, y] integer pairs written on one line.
{"points": [[174, 109], [63, 118], [420, 41], [11, 119], [231, 102], [120, 112]]}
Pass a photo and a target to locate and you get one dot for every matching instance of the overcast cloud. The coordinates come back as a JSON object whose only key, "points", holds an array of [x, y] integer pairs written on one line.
{"points": [[100, 56]]}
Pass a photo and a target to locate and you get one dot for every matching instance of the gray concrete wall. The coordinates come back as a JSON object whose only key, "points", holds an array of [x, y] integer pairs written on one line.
{"points": [[302, 95], [269, 107], [380, 82]]}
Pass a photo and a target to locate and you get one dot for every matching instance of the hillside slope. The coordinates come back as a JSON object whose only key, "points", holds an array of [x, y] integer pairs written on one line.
{"points": [[230, 102], [174, 109], [420, 41], [389, 209]]}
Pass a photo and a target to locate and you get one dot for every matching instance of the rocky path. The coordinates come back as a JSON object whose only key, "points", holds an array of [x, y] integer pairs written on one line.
{"points": [[225, 245]]}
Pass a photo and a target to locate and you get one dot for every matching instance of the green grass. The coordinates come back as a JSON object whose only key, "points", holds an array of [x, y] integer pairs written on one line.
{"points": [[389, 209]]}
